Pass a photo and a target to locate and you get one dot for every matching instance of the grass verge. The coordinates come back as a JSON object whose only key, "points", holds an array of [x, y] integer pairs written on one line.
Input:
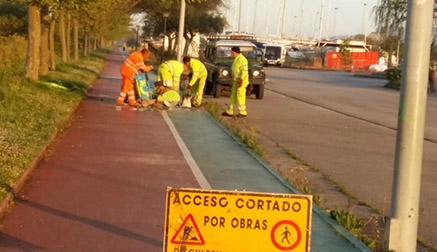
{"points": [[247, 137], [30, 113]]}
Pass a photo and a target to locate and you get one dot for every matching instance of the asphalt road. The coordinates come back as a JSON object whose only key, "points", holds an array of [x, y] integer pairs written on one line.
{"points": [[345, 126]]}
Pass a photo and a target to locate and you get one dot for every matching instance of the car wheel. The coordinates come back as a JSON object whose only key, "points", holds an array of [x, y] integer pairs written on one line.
{"points": [[259, 92], [217, 91]]}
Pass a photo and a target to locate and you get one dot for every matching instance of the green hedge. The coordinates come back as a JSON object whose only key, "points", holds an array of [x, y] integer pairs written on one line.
{"points": [[394, 75]]}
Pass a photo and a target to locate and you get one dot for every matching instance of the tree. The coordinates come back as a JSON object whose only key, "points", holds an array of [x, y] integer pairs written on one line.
{"points": [[75, 39], [390, 17], [31, 67], [13, 18], [44, 45], [52, 45], [200, 17], [62, 36], [346, 56], [202, 23], [95, 19]]}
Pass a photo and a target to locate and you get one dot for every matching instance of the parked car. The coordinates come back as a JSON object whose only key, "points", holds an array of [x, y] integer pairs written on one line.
{"points": [[218, 61]]}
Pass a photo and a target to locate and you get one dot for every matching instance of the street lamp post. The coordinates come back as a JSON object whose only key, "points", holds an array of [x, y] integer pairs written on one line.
{"points": [[136, 42], [315, 25], [165, 14], [335, 20], [294, 25], [321, 20], [364, 25], [301, 17], [283, 18]]}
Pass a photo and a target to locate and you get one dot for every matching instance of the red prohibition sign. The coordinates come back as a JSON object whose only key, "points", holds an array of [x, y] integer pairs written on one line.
{"points": [[292, 246]]}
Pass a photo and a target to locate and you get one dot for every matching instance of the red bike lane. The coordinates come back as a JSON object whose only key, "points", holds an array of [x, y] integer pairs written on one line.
{"points": [[102, 188]]}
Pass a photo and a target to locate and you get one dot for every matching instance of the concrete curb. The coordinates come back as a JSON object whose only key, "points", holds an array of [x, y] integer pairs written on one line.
{"points": [[337, 227], [27, 174], [370, 76]]}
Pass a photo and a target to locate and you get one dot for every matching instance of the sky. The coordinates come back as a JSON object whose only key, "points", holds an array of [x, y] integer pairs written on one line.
{"points": [[302, 17]]}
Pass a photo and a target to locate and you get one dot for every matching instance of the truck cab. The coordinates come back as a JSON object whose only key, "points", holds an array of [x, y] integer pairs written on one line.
{"points": [[218, 61], [274, 54]]}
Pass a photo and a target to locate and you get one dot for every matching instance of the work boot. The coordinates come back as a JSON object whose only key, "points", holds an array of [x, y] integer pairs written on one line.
{"points": [[136, 105], [147, 103], [120, 104]]}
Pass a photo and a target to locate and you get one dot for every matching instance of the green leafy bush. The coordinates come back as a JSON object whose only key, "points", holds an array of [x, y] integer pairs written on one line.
{"points": [[346, 56], [12, 54], [347, 220], [394, 75], [13, 18]]}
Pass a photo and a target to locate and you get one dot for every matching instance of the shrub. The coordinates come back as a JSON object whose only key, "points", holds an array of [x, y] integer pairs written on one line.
{"points": [[13, 18], [394, 75], [346, 56], [12, 53], [347, 220]]}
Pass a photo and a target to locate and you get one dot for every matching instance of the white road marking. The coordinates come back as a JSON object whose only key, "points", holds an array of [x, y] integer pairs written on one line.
{"points": [[204, 184]]}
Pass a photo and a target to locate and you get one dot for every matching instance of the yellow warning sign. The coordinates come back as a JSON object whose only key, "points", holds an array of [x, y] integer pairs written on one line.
{"points": [[188, 233], [232, 221]]}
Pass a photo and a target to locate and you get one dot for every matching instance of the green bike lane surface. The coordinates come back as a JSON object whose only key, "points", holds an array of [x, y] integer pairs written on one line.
{"points": [[227, 164]]}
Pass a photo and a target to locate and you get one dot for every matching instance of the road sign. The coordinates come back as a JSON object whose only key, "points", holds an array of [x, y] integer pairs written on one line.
{"points": [[233, 221]]}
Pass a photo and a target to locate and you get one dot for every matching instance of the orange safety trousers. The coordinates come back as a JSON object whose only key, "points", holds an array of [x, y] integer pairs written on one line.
{"points": [[127, 88]]}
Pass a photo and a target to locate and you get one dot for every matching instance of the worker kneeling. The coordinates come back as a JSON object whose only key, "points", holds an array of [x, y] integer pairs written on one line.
{"points": [[167, 85]]}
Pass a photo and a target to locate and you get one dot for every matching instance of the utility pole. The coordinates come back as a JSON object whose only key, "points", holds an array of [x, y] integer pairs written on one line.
{"points": [[278, 25], [301, 18], [239, 18], [294, 25], [234, 22], [321, 20], [247, 17], [401, 227], [328, 17], [165, 14], [315, 25], [268, 19], [364, 23], [136, 40], [254, 17], [181, 31], [335, 20], [283, 18]]}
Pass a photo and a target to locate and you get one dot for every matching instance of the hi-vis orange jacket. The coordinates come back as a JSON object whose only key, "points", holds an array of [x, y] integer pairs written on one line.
{"points": [[132, 64]]}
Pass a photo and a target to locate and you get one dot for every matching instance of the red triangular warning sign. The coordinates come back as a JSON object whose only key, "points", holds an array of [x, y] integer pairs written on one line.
{"points": [[188, 233]]}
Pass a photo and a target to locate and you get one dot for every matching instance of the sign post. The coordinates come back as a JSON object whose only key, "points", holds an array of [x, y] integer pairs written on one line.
{"points": [[232, 221]]}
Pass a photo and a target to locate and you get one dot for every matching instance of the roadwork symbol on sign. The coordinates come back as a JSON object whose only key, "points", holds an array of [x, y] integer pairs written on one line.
{"points": [[188, 233], [233, 221]]}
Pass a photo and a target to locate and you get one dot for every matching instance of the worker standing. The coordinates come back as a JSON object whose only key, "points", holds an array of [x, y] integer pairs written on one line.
{"points": [[240, 76], [130, 67], [198, 79], [169, 72]]}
